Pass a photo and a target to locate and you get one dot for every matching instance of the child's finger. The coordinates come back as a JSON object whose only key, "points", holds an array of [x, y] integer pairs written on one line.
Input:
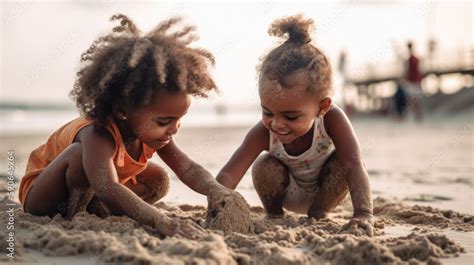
{"points": [[188, 234], [368, 228], [192, 233], [216, 205], [198, 227], [191, 230]]}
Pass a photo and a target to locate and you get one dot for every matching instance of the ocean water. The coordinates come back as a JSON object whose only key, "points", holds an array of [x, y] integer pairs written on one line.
{"points": [[28, 122]]}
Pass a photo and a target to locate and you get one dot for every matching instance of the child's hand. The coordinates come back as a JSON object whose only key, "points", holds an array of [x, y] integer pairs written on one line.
{"points": [[188, 229], [182, 227], [360, 222], [216, 195], [228, 211]]}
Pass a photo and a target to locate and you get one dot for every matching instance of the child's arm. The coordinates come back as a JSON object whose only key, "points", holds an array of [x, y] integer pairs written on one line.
{"points": [[348, 153], [189, 172], [98, 148], [254, 143]]}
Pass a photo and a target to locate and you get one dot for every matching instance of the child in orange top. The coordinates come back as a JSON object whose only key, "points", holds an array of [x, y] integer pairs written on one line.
{"points": [[313, 157], [132, 91]]}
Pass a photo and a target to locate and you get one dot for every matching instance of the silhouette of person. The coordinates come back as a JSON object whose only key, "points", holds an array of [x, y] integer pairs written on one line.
{"points": [[413, 82]]}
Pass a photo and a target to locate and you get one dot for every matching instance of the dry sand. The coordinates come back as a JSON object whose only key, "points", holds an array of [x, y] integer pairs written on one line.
{"points": [[292, 239]]}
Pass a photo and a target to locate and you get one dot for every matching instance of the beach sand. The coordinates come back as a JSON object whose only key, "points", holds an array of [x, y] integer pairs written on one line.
{"points": [[403, 233], [421, 176]]}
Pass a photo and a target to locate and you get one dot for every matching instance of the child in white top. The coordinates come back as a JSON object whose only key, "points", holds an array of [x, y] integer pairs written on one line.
{"points": [[313, 157]]}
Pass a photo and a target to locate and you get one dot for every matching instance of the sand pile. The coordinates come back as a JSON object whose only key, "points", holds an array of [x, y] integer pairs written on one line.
{"points": [[232, 215], [423, 215], [292, 239]]}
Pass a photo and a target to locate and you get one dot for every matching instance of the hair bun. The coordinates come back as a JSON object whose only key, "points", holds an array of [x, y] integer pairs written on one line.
{"points": [[297, 27]]}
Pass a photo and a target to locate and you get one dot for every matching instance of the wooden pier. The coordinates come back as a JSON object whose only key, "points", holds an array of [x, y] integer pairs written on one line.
{"points": [[368, 79]]}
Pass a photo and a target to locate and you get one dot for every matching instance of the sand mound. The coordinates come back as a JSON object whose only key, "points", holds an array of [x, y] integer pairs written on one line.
{"points": [[424, 215], [232, 215], [292, 239]]}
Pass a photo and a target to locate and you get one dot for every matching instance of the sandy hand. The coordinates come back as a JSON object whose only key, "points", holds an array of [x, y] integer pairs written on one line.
{"points": [[228, 211], [180, 227], [364, 222], [216, 197], [215, 200]]}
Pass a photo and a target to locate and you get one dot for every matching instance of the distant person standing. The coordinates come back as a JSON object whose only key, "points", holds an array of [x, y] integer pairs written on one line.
{"points": [[413, 83], [400, 100]]}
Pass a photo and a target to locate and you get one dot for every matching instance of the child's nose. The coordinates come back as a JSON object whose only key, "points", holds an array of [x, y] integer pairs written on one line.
{"points": [[174, 128], [277, 123]]}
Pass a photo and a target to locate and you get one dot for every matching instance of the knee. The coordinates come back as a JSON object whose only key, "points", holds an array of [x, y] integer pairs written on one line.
{"points": [[156, 191], [269, 169], [267, 165], [162, 186], [158, 183]]}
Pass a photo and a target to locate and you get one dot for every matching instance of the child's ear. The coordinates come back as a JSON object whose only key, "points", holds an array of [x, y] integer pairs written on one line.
{"points": [[324, 106]]}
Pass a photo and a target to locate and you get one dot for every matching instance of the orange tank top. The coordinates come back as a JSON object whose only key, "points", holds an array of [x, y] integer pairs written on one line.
{"points": [[127, 168]]}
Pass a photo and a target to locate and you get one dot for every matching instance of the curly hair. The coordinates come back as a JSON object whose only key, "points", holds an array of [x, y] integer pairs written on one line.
{"points": [[296, 53], [125, 68]]}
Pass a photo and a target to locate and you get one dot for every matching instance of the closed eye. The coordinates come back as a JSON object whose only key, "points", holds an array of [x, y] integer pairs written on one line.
{"points": [[291, 118], [163, 122]]}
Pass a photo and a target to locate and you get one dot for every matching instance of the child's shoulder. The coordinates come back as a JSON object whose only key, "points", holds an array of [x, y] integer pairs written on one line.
{"points": [[336, 119], [258, 136], [95, 135], [334, 112]]}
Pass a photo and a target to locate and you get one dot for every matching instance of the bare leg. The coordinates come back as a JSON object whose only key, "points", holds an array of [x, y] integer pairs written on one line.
{"points": [[332, 189], [270, 179], [62, 187], [152, 184]]}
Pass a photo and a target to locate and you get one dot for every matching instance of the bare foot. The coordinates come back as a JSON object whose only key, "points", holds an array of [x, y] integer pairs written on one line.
{"points": [[318, 215], [272, 216], [78, 201]]}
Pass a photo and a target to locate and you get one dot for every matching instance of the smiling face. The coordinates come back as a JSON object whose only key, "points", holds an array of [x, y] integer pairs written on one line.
{"points": [[289, 107], [155, 123]]}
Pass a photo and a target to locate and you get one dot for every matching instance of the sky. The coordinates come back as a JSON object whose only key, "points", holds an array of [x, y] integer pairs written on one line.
{"points": [[41, 41]]}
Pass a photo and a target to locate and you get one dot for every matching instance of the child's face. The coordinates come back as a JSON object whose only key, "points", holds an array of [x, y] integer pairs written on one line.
{"points": [[288, 109], [157, 122]]}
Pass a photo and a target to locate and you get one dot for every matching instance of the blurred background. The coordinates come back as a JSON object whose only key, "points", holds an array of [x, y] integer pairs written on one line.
{"points": [[422, 155]]}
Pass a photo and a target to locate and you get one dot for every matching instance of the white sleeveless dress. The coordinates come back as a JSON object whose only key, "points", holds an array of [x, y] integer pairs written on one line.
{"points": [[304, 168]]}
